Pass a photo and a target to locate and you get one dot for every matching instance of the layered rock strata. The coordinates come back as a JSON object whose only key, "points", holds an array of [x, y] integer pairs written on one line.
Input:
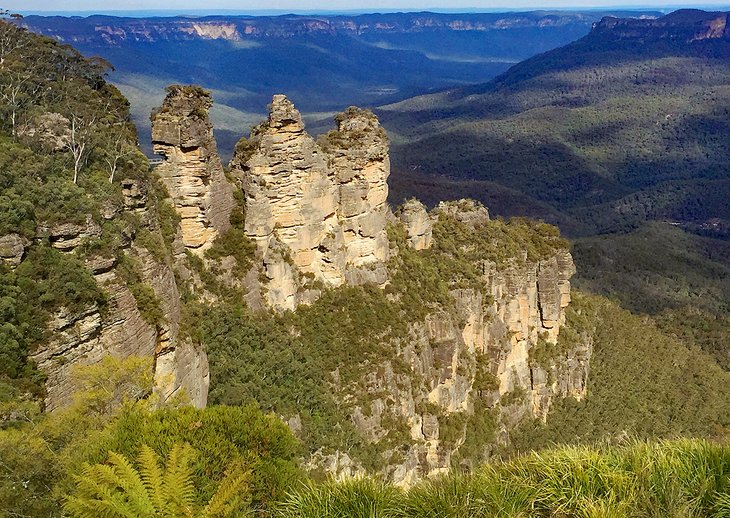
{"points": [[85, 337], [317, 213], [494, 334], [192, 170]]}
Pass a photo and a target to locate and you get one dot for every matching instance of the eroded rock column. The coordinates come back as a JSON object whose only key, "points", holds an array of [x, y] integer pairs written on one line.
{"points": [[192, 171]]}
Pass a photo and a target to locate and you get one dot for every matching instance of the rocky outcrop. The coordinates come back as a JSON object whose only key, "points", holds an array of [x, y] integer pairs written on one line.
{"points": [[417, 223], [496, 351], [85, 337], [317, 213], [192, 171], [68, 236], [358, 153], [682, 26], [487, 347], [12, 249]]}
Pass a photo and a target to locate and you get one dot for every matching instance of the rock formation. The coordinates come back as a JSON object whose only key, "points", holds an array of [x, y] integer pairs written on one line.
{"points": [[192, 171], [494, 332], [85, 337], [315, 211], [417, 223], [12, 249]]}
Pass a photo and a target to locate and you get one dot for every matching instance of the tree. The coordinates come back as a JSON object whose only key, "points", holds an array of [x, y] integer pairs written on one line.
{"points": [[17, 90], [12, 38], [118, 489], [80, 141], [116, 150]]}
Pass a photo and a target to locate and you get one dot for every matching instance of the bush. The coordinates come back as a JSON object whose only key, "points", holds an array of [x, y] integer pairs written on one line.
{"points": [[673, 478], [222, 436]]}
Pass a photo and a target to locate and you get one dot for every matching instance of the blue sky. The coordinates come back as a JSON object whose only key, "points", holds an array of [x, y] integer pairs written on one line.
{"points": [[328, 5]]}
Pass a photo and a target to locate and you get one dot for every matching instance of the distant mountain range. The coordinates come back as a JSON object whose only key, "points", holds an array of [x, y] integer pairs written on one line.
{"points": [[324, 63], [629, 123]]}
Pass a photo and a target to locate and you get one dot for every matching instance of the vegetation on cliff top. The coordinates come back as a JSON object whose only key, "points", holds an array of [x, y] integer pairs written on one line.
{"points": [[312, 362]]}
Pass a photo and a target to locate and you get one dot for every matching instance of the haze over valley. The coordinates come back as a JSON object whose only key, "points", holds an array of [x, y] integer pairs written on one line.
{"points": [[365, 265], [324, 63]]}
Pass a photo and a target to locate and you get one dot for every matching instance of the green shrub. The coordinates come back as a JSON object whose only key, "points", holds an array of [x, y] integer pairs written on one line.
{"points": [[222, 435], [673, 478]]}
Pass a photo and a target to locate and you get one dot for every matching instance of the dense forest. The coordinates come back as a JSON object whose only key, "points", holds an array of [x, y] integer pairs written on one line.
{"points": [[597, 136], [67, 151]]}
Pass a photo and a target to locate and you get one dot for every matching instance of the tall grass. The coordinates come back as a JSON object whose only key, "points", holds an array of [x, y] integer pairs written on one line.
{"points": [[683, 478]]}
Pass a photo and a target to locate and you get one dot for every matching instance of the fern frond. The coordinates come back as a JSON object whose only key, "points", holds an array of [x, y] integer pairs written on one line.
{"points": [[228, 495], [177, 488], [111, 507], [151, 475], [130, 482], [90, 487]]}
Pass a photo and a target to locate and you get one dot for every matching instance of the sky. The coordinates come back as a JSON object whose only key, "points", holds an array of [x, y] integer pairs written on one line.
{"points": [[29, 6]]}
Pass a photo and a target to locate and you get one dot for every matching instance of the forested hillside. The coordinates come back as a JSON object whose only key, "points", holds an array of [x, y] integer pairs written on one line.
{"points": [[338, 336], [323, 62], [622, 126]]}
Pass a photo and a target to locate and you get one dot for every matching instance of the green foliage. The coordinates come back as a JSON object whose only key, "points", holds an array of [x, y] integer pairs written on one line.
{"points": [[47, 281], [697, 328], [690, 271], [60, 91], [118, 489], [644, 384], [353, 498], [236, 244], [674, 478], [286, 363], [147, 301], [597, 136], [54, 280], [480, 434], [113, 411], [222, 436], [40, 452]]}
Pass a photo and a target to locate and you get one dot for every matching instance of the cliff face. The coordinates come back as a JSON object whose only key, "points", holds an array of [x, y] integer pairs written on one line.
{"points": [[485, 361], [683, 26], [466, 366], [116, 31], [192, 170], [316, 213], [120, 329]]}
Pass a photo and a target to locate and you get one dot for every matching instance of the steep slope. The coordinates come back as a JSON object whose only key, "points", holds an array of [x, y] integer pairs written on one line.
{"points": [[86, 235], [625, 125], [399, 342], [642, 384], [440, 311]]}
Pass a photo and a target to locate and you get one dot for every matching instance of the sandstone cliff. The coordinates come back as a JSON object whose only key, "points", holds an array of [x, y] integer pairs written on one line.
{"points": [[121, 329], [192, 170], [491, 360], [317, 213], [482, 302], [317, 216]]}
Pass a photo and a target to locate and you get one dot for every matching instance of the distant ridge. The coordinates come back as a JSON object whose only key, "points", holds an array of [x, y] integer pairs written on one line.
{"points": [[628, 124]]}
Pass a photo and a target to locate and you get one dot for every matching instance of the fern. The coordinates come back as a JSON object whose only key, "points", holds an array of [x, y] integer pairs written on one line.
{"points": [[177, 486], [151, 475], [228, 494], [119, 490]]}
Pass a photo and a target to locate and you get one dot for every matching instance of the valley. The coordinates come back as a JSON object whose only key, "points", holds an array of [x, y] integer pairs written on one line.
{"points": [[324, 63], [516, 286]]}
